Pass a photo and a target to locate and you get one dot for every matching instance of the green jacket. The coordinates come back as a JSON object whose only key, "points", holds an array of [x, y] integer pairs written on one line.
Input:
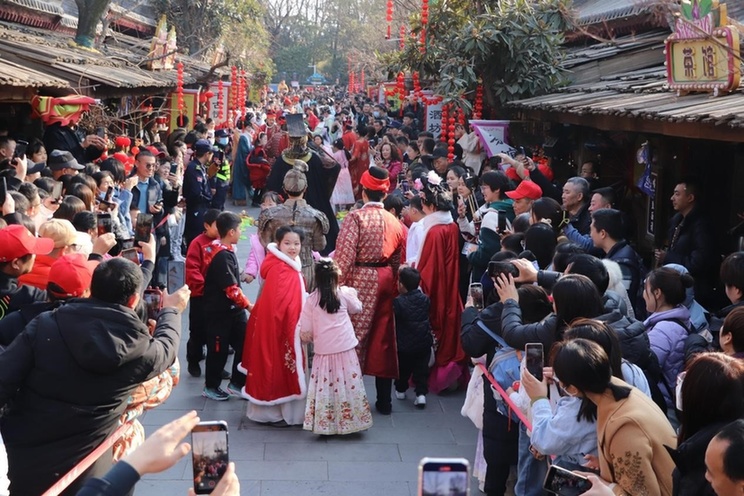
{"points": [[489, 241]]}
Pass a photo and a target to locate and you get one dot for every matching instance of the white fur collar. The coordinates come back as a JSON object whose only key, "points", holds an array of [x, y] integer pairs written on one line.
{"points": [[438, 218], [295, 263]]}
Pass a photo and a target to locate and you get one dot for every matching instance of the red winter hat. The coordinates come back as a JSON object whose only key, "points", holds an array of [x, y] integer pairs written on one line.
{"points": [[16, 241], [526, 189], [70, 276]]}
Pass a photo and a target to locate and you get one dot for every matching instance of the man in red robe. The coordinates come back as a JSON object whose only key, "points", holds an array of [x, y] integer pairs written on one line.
{"points": [[368, 251]]}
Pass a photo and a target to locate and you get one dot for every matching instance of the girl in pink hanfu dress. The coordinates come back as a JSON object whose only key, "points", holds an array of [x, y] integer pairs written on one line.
{"points": [[336, 399]]}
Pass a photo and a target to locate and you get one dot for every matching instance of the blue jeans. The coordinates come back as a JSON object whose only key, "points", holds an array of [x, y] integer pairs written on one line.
{"points": [[530, 471]]}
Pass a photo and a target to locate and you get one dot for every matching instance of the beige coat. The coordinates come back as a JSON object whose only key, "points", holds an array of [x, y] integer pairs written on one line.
{"points": [[632, 434]]}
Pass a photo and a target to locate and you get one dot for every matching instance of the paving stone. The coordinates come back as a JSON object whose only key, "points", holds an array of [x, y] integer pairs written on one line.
{"points": [[305, 488], [281, 470], [373, 471], [336, 452]]}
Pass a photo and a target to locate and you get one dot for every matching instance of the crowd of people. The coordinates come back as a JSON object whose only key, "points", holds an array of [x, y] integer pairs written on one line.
{"points": [[377, 252]]}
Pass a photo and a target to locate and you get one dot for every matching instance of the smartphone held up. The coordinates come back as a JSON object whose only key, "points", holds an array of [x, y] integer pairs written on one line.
{"points": [[565, 483], [444, 476], [534, 359], [210, 456]]}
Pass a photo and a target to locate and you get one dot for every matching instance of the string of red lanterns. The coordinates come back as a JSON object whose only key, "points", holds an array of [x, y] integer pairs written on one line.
{"points": [[443, 134], [233, 92], [478, 106], [402, 38], [416, 87], [424, 23], [179, 88], [401, 89], [361, 81], [241, 93], [389, 17], [451, 137]]}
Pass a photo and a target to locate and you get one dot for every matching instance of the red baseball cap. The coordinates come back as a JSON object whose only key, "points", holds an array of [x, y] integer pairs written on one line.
{"points": [[526, 189], [70, 276], [16, 242]]}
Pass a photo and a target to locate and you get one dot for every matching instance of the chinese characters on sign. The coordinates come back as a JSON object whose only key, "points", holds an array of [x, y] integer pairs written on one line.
{"points": [[703, 52], [493, 136], [434, 119]]}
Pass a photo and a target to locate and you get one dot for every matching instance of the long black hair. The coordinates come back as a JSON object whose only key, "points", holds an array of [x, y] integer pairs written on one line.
{"points": [[327, 273]]}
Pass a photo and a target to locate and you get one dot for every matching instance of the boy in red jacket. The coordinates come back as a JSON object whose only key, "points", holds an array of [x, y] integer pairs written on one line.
{"points": [[194, 274]]}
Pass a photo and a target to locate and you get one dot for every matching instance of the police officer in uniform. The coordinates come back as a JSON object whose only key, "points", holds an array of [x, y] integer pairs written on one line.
{"points": [[196, 190], [219, 169]]}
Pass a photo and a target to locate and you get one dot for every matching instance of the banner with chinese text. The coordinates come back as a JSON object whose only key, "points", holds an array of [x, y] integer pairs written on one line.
{"points": [[493, 136]]}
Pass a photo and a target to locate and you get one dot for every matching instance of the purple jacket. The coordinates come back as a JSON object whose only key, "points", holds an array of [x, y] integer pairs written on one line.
{"points": [[667, 339]]}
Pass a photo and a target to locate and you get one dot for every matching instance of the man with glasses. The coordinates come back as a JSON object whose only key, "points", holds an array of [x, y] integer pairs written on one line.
{"points": [[147, 197]]}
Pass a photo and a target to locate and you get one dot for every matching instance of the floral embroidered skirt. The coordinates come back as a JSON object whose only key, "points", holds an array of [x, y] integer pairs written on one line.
{"points": [[336, 399]]}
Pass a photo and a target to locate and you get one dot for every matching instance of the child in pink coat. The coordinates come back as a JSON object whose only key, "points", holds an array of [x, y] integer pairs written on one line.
{"points": [[258, 252], [336, 399]]}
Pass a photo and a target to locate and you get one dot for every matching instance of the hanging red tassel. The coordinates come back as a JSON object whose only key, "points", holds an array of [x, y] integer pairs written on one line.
{"points": [[179, 88], [220, 101]]}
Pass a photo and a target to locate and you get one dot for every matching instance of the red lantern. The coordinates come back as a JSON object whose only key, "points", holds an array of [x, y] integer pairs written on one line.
{"points": [[233, 91], [401, 89], [351, 82], [361, 81], [478, 106], [242, 85], [179, 88], [389, 17], [402, 38]]}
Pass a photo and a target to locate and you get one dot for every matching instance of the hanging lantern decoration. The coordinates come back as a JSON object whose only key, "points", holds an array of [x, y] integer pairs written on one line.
{"points": [[402, 38], [242, 84], [460, 116], [424, 23], [416, 87], [389, 17], [351, 82], [451, 137], [361, 81], [179, 88], [401, 89], [220, 100], [478, 106], [445, 112], [233, 92]]}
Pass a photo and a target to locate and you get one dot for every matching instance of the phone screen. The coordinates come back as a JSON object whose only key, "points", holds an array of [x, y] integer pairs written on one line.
{"points": [[173, 167], [565, 483], [209, 455], [176, 275], [104, 224], [143, 228], [131, 255], [101, 132], [20, 149], [109, 194], [153, 302], [57, 191], [448, 476], [534, 357]]}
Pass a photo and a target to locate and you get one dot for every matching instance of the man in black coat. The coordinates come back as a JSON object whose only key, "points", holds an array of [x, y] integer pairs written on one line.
{"points": [[59, 137], [691, 241], [65, 380], [196, 190]]}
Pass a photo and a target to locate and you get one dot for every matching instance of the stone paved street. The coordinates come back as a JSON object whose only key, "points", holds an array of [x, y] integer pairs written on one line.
{"points": [[290, 461]]}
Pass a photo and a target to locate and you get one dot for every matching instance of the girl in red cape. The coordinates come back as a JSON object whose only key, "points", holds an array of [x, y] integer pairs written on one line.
{"points": [[438, 262], [273, 360]]}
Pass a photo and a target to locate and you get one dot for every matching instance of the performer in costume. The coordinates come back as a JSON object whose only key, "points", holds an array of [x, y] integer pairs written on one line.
{"points": [[296, 212], [273, 360], [369, 252], [359, 163], [320, 180], [438, 262]]}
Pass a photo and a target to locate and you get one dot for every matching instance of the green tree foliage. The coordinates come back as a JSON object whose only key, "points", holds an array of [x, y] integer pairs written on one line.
{"points": [[234, 25], [513, 46], [326, 33]]}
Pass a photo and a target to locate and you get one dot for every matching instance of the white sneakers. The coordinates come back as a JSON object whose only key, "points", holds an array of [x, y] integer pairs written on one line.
{"points": [[420, 401], [400, 396]]}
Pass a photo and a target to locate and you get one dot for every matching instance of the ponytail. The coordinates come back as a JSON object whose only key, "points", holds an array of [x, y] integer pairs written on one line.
{"points": [[326, 278]]}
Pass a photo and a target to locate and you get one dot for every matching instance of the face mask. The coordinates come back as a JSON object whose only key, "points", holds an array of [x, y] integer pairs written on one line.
{"points": [[222, 141], [678, 390], [375, 114]]}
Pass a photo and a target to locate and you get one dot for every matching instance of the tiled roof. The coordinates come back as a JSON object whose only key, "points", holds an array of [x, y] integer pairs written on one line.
{"points": [[596, 11]]}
